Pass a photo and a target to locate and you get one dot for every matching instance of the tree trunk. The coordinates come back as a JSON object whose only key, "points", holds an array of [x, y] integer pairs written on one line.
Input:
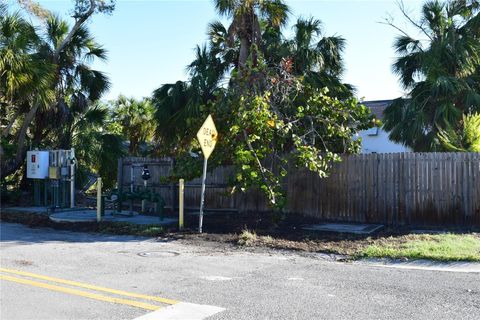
{"points": [[9, 166], [76, 26], [22, 135], [242, 60], [8, 129]]}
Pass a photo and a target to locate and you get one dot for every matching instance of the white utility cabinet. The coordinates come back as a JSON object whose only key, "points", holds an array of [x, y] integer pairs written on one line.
{"points": [[37, 164]]}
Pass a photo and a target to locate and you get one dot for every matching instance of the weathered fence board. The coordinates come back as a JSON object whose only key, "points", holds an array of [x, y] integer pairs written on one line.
{"points": [[396, 189]]}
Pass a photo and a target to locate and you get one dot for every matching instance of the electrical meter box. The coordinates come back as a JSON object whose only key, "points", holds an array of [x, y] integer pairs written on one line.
{"points": [[37, 164]]}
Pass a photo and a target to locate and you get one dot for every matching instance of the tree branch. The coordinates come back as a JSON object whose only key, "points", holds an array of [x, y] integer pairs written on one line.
{"points": [[78, 23], [9, 127], [259, 163], [401, 6], [390, 23]]}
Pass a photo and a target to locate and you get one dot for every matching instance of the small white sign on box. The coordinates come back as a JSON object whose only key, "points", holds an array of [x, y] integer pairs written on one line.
{"points": [[37, 164]]}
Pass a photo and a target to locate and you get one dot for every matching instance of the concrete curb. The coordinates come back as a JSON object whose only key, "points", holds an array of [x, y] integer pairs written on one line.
{"points": [[427, 265]]}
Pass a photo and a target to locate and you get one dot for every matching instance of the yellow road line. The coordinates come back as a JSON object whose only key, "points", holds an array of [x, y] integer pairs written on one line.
{"points": [[89, 286], [81, 293]]}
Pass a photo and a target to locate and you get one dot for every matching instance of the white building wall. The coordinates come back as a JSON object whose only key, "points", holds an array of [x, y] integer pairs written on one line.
{"points": [[376, 140]]}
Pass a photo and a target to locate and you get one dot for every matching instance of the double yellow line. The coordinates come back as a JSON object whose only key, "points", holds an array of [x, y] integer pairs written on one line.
{"points": [[81, 293]]}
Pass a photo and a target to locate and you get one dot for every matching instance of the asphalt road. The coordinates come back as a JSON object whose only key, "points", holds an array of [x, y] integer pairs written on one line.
{"points": [[249, 285]]}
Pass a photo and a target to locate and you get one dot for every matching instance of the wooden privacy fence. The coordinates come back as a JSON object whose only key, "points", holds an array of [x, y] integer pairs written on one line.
{"points": [[394, 189]]}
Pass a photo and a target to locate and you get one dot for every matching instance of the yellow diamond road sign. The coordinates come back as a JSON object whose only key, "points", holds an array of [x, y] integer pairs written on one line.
{"points": [[207, 136]]}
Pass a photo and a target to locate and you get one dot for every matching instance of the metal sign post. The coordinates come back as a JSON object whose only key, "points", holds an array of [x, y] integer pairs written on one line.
{"points": [[181, 191], [207, 136], [202, 199], [99, 199], [73, 163]]}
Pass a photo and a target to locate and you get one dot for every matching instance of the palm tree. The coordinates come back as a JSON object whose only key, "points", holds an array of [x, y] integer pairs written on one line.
{"points": [[96, 147], [25, 82], [206, 72], [220, 46], [441, 74], [173, 112], [245, 23], [77, 85], [179, 105], [45, 78], [464, 139], [136, 120], [318, 58]]}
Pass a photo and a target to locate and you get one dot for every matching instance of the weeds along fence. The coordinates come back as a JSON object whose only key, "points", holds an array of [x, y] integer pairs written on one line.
{"points": [[393, 189]]}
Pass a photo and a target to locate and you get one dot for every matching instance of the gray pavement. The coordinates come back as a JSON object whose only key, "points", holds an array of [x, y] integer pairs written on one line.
{"points": [[249, 285], [90, 215]]}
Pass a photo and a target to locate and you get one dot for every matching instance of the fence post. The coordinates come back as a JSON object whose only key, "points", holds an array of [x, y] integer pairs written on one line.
{"points": [[120, 183]]}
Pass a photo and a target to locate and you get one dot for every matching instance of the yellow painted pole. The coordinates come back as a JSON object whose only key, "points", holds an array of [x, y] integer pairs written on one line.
{"points": [[99, 199], [181, 190]]}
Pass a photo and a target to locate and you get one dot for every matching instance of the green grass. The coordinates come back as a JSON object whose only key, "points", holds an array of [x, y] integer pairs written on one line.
{"points": [[442, 247]]}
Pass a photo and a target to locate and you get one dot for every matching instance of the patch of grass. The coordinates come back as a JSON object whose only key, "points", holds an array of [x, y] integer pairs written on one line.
{"points": [[267, 239], [247, 238], [440, 247]]}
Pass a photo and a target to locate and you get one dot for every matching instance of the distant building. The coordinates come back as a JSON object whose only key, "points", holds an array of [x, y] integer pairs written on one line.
{"points": [[375, 140]]}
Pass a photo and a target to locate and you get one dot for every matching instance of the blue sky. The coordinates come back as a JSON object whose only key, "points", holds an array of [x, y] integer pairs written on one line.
{"points": [[150, 42]]}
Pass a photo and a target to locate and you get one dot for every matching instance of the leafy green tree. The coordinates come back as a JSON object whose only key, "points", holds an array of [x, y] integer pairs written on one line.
{"points": [[440, 70], [268, 97], [310, 55], [265, 132]]}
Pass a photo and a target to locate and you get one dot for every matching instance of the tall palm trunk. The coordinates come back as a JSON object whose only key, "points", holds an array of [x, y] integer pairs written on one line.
{"points": [[243, 56]]}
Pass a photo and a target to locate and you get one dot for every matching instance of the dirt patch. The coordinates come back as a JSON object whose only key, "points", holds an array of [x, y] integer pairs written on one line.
{"points": [[35, 220], [23, 262], [227, 232], [342, 247]]}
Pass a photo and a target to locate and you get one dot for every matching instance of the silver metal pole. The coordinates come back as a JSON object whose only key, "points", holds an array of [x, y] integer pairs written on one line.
{"points": [[131, 178], [144, 202], [200, 219], [72, 178], [181, 191], [99, 199]]}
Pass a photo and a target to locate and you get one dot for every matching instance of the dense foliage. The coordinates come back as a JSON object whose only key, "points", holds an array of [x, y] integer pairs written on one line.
{"points": [[48, 89], [284, 125], [134, 120], [278, 103], [466, 138], [440, 69]]}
